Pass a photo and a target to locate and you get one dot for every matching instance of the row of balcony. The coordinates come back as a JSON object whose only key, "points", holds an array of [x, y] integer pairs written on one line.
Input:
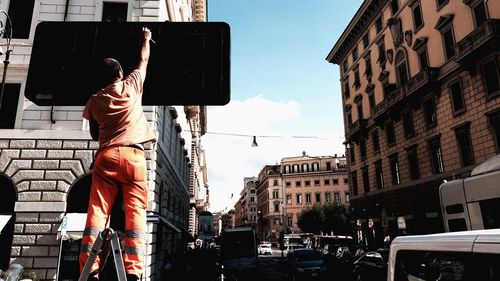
{"points": [[484, 38], [419, 84]]}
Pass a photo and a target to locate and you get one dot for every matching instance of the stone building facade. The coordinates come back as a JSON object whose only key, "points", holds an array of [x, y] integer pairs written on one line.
{"points": [[285, 189], [45, 152], [309, 180], [420, 85], [198, 181]]}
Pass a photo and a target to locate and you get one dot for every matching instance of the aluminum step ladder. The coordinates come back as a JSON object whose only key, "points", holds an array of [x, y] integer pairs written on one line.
{"points": [[107, 241]]}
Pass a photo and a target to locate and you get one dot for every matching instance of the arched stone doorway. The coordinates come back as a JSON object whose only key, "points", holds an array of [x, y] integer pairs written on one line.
{"points": [[79, 194], [77, 201], [7, 202]]}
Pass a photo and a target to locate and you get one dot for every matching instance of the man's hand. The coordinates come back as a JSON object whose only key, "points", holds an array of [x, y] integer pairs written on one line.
{"points": [[146, 34]]}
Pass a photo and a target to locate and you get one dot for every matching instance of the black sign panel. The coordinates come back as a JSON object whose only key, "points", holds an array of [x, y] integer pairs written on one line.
{"points": [[189, 62]]}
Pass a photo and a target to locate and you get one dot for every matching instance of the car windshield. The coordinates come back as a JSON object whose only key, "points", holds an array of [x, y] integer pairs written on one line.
{"points": [[308, 255]]}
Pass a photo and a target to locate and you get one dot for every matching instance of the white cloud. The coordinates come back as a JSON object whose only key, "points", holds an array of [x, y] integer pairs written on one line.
{"points": [[251, 116], [231, 158]]}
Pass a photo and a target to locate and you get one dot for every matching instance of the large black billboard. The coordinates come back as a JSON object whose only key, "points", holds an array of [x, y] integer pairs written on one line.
{"points": [[189, 62]]}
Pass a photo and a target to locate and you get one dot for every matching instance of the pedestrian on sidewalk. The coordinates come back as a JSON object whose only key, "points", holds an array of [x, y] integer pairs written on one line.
{"points": [[117, 121]]}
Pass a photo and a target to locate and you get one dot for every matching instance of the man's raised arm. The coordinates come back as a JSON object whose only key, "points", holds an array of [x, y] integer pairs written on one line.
{"points": [[142, 65]]}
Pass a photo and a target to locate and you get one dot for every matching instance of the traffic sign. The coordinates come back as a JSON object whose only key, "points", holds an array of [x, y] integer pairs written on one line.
{"points": [[153, 218], [64, 225]]}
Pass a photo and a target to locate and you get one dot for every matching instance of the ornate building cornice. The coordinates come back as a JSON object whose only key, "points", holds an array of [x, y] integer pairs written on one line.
{"points": [[357, 26], [199, 10]]}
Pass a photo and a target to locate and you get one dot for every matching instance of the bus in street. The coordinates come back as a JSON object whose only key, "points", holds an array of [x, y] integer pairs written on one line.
{"points": [[473, 203], [239, 249]]}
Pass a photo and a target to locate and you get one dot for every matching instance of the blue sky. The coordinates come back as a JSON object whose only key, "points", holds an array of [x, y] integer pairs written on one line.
{"points": [[281, 85]]}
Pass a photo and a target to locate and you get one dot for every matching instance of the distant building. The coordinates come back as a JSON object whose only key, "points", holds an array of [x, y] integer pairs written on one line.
{"points": [[228, 220], [285, 189], [420, 92], [237, 213], [217, 223], [270, 203], [246, 207], [309, 180]]}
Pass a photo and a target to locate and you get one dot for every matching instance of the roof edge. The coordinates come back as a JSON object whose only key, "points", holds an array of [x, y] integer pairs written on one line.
{"points": [[332, 55]]}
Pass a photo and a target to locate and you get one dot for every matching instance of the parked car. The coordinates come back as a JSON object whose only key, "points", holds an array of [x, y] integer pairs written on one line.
{"points": [[372, 265], [305, 264], [292, 247], [265, 249]]}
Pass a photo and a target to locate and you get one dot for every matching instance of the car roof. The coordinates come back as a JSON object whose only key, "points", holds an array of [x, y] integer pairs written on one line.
{"points": [[304, 250], [457, 241]]}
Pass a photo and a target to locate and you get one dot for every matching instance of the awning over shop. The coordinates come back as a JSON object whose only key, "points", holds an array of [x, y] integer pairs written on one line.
{"points": [[4, 219], [75, 224], [155, 218]]}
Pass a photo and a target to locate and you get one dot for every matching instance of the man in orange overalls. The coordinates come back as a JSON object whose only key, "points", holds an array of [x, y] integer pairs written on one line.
{"points": [[117, 120]]}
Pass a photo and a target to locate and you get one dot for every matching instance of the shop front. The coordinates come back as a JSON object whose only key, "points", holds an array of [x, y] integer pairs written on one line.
{"points": [[383, 215]]}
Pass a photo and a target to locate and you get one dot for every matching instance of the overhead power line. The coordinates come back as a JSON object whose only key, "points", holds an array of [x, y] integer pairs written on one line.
{"points": [[270, 136]]}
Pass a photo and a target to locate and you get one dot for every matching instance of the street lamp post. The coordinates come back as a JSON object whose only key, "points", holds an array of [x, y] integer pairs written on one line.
{"points": [[7, 54]]}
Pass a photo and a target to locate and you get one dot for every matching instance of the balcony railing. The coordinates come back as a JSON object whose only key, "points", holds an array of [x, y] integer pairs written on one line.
{"points": [[422, 80], [395, 96], [356, 126], [482, 34], [379, 108]]}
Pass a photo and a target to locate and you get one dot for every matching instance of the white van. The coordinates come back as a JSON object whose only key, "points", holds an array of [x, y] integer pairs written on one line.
{"points": [[466, 255]]}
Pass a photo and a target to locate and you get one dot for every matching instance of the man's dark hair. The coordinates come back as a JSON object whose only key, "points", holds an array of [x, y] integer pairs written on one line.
{"points": [[108, 70]]}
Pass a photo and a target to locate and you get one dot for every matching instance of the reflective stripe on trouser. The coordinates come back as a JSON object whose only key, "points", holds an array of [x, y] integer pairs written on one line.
{"points": [[115, 167]]}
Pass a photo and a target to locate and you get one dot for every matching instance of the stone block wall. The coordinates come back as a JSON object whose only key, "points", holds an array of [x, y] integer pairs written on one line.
{"points": [[42, 168]]}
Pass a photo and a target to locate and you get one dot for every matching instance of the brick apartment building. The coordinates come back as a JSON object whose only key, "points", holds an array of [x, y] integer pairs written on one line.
{"points": [[420, 84], [45, 152], [284, 190]]}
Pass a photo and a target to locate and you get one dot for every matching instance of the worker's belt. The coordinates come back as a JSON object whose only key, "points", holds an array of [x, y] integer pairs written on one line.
{"points": [[136, 145]]}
